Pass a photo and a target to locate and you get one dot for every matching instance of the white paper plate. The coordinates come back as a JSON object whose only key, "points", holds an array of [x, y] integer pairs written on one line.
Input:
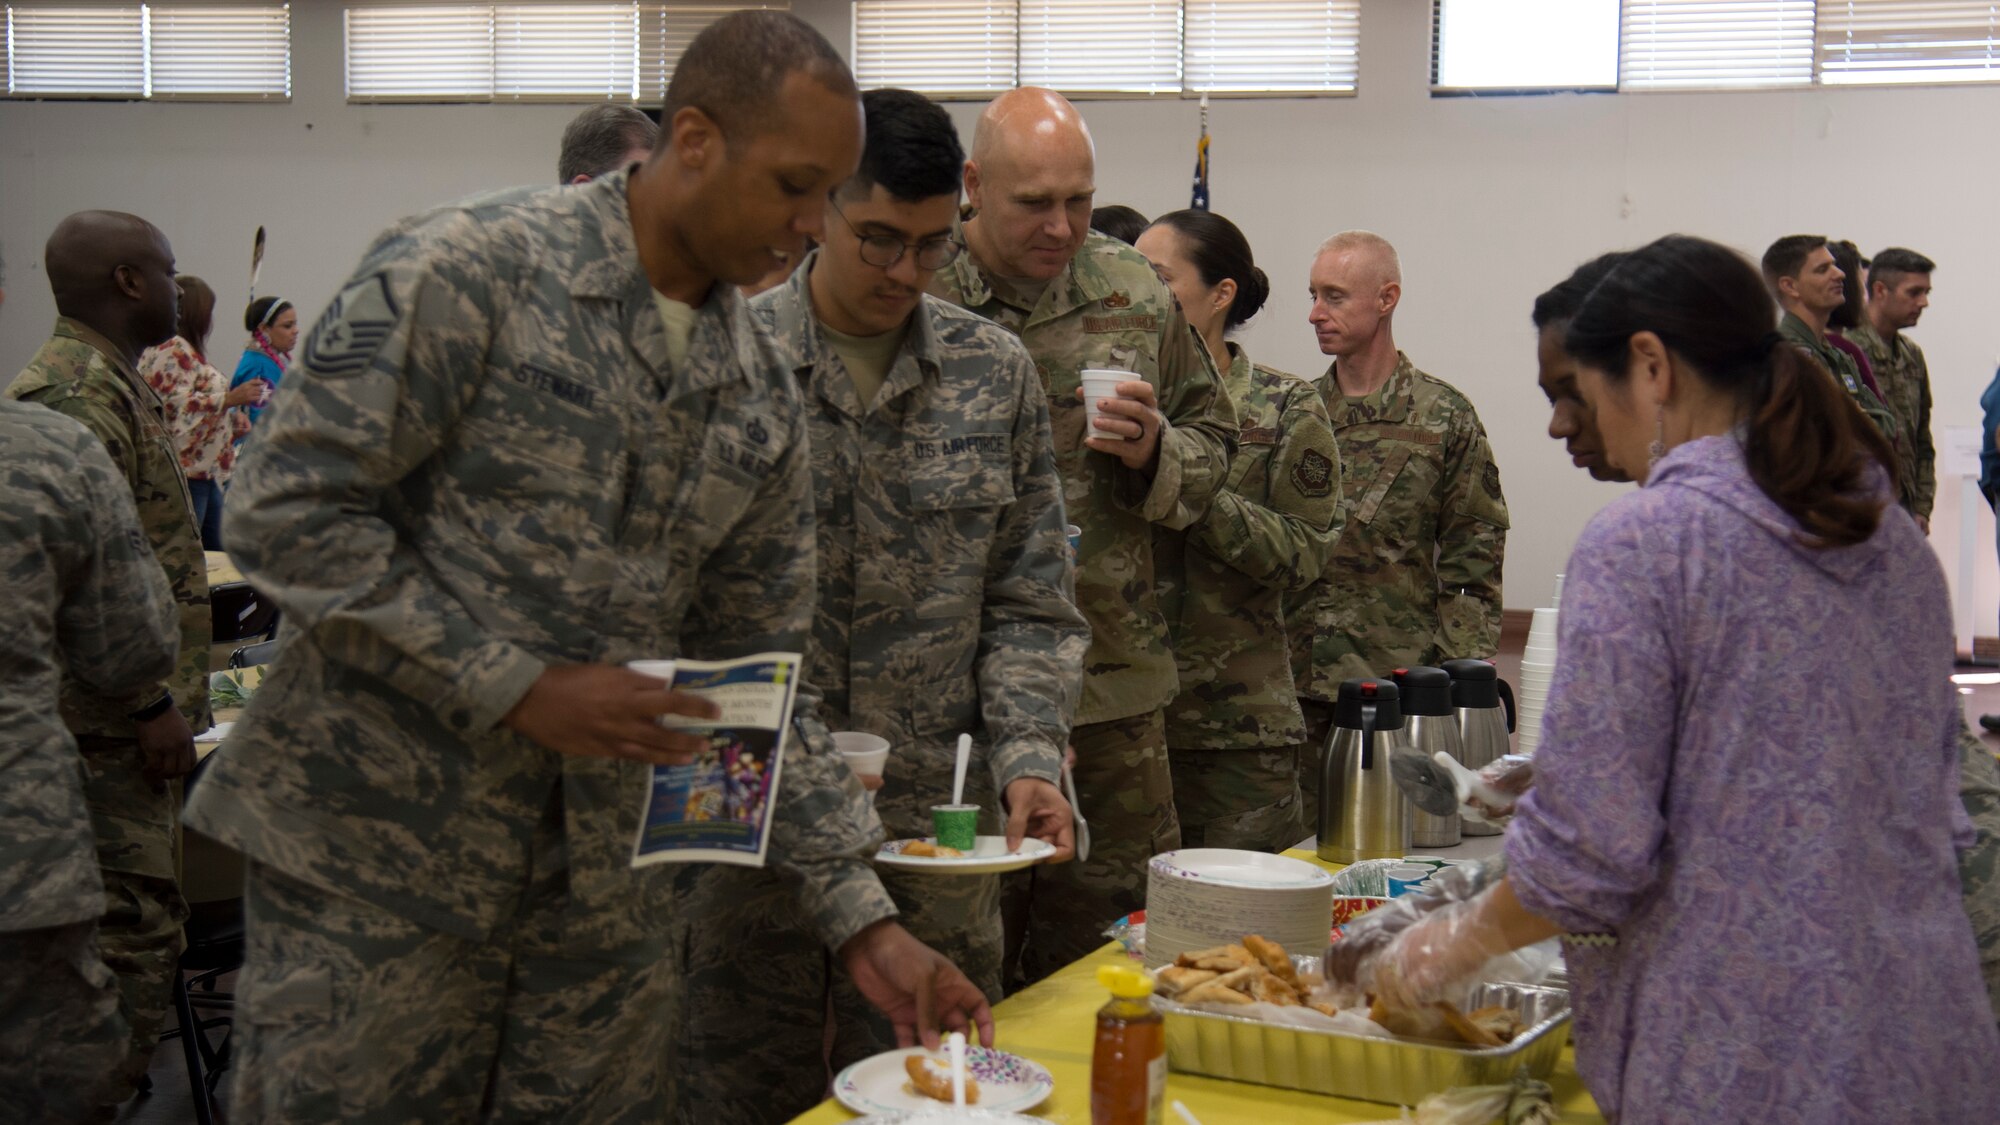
{"points": [[1229, 867], [1007, 1083], [1197, 898], [989, 855]]}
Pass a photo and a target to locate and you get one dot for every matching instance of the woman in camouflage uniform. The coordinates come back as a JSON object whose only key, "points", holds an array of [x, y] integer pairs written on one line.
{"points": [[1234, 730]]}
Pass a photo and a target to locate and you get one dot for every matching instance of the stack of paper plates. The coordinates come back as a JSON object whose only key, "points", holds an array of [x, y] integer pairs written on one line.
{"points": [[1198, 898]]}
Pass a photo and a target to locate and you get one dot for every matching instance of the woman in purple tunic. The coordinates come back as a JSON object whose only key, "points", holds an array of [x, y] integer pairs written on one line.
{"points": [[1746, 806]]}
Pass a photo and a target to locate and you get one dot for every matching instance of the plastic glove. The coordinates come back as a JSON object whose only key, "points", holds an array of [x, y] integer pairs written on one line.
{"points": [[1500, 785], [1369, 934], [1430, 960]]}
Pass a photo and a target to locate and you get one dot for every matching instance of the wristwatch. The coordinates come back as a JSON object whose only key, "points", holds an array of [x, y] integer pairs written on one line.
{"points": [[152, 710]]}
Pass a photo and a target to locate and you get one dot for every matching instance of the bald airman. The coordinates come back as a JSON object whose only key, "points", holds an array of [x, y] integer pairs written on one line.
{"points": [[1138, 474]]}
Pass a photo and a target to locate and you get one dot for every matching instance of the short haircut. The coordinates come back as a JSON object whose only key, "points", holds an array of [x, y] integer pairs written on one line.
{"points": [[1889, 266], [1368, 240], [1558, 305], [912, 149], [1118, 221], [1788, 255], [735, 69], [596, 141]]}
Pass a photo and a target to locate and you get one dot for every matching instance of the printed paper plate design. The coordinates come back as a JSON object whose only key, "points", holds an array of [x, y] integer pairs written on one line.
{"points": [[1007, 1084], [1198, 898]]}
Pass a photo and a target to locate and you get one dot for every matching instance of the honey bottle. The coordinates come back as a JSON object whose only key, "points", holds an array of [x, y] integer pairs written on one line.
{"points": [[1128, 1065]]}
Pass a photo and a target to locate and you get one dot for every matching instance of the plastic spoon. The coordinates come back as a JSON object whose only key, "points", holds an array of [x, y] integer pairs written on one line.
{"points": [[1187, 1115], [955, 1044], [958, 774]]}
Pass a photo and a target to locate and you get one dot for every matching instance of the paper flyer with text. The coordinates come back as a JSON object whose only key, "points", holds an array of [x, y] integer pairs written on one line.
{"points": [[717, 809]]}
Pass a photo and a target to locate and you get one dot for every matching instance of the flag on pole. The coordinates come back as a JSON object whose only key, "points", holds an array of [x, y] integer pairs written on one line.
{"points": [[1200, 200]]}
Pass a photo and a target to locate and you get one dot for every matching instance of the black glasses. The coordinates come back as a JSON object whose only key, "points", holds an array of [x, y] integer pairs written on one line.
{"points": [[883, 251]]}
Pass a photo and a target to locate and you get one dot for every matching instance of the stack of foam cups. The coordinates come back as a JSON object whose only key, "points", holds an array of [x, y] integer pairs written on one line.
{"points": [[1538, 671]]}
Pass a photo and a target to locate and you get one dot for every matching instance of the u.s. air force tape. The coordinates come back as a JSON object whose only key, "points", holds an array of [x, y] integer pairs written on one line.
{"points": [[353, 328]]}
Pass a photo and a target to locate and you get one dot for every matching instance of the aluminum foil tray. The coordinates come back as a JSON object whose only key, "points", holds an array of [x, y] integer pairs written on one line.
{"points": [[1400, 1071]]}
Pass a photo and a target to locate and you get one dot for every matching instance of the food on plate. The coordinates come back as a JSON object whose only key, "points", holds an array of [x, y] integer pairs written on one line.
{"points": [[934, 851], [932, 1079]]}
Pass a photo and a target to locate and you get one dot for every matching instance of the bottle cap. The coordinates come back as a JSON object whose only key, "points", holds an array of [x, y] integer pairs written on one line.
{"points": [[1125, 982]]}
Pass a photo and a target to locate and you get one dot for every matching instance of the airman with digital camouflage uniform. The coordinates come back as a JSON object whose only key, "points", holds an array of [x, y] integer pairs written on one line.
{"points": [[113, 277], [536, 436], [1152, 463], [1416, 577], [88, 605], [943, 609], [1234, 731]]}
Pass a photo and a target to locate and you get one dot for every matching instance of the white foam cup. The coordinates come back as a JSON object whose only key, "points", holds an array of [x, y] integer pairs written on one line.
{"points": [[1098, 385], [865, 754]]}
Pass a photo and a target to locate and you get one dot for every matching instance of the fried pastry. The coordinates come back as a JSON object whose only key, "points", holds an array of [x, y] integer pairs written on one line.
{"points": [[1215, 992], [934, 851], [932, 1079], [1177, 979], [1273, 957]]}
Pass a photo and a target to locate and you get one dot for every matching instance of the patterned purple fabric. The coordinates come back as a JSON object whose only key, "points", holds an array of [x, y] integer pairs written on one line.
{"points": [[1748, 772]]}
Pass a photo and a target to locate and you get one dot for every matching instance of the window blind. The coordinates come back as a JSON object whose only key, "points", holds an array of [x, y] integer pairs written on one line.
{"points": [[1668, 44], [1882, 41], [665, 30], [1250, 46], [1106, 46], [434, 53], [565, 51], [942, 47], [221, 52], [77, 51]]}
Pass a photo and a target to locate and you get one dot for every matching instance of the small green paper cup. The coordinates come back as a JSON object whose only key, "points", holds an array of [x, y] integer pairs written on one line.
{"points": [[956, 826]]}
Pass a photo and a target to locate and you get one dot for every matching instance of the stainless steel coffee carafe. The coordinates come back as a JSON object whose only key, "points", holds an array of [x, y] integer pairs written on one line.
{"points": [[1363, 813], [1485, 707], [1430, 724]]}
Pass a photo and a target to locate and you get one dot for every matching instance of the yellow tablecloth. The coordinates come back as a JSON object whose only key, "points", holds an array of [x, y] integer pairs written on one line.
{"points": [[1054, 1021], [220, 569]]}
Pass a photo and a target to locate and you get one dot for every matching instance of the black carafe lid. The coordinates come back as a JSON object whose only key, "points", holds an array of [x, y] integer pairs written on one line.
{"points": [[1425, 691], [1354, 694], [1474, 683]]}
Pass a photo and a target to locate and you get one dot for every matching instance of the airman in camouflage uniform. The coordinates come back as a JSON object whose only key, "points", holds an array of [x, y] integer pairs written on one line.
{"points": [[1415, 578], [87, 603], [1809, 286], [1899, 287], [944, 607], [1096, 303], [84, 373], [489, 482], [1235, 728]]}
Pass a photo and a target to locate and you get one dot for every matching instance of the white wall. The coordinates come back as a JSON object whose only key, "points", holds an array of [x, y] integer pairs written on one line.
{"points": [[1490, 200]]}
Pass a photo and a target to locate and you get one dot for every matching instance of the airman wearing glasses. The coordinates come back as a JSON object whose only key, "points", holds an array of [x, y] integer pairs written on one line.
{"points": [[944, 608]]}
